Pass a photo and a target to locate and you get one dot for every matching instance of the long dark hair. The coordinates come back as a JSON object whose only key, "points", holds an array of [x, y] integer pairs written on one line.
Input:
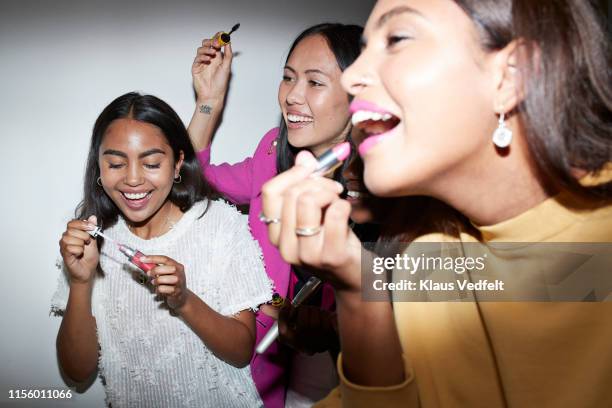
{"points": [[567, 109], [152, 110], [344, 41]]}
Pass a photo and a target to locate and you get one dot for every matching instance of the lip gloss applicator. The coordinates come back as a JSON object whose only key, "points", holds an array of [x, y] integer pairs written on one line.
{"points": [[132, 254]]}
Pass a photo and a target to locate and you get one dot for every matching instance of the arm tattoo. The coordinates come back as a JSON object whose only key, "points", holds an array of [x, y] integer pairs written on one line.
{"points": [[207, 109]]}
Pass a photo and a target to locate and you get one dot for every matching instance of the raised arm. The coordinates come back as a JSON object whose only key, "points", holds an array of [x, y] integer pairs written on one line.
{"points": [[211, 73]]}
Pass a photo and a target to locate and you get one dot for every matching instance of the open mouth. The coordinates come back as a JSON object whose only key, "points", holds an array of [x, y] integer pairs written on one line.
{"points": [[374, 121], [136, 200], [295, 121]]}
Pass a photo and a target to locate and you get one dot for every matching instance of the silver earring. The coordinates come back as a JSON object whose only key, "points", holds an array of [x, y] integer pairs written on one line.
{"points": [[99, 181], [178, 179], [502, 135]]}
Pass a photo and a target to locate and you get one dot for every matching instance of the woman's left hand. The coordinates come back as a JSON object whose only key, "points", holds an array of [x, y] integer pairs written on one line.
{"points": [[168, 277]]}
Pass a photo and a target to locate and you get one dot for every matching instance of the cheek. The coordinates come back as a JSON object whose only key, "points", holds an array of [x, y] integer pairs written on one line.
{"points": [[282, 93], [330, 109]]}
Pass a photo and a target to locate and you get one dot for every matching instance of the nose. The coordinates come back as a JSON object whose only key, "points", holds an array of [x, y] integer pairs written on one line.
{"points": [[295, 96], [357, 76], [133, 176]]}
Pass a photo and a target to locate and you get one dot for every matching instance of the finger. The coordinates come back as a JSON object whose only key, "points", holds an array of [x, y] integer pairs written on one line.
{"points": [[166, 290], [68, 239], [272, 201], [206, 51], [80, 234], [202, 60], [214, 40], [309, 214], [75, 250], [211, 42], [170, 280], [163, 270], [158, 259], [314, 192], [336, 232], [83, 225]]}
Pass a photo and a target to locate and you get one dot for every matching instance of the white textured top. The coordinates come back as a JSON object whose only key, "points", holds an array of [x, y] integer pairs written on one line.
{"points": [[149, 358]]}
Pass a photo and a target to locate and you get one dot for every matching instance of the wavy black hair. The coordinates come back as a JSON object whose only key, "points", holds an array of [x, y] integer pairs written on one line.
{"points": [[344, 41], [148, 109]]}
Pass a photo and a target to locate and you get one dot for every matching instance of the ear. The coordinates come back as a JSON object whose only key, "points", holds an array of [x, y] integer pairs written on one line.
{"points": [[179, 164], [508, 77]]}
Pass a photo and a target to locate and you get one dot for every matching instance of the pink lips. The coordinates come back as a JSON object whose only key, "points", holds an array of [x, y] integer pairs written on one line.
{"points": [[369, 142], [360, 104]]}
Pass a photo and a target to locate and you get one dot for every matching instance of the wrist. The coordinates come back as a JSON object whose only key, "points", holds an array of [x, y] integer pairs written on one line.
{"points": [[185, 305], [82, 283], [215, 102]]}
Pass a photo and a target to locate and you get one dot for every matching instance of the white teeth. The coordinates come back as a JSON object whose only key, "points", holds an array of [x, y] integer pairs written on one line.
{"points": [[355, 194], [362, 116], [135, 196], [298, 118]]}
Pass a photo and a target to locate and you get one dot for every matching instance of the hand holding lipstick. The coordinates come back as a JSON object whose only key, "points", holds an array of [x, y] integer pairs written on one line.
{"points": [[169, 280], [313, 205]]}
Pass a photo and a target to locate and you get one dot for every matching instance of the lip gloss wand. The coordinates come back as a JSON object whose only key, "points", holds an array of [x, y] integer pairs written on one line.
{"points": [[132, 254]]}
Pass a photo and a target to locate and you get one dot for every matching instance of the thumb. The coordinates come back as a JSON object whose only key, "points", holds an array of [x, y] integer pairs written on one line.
{"points": [[93, 220], [305, 159], [228, 54]]}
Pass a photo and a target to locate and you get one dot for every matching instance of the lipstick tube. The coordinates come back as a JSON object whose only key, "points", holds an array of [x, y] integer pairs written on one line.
{"points": [[332, 158]]}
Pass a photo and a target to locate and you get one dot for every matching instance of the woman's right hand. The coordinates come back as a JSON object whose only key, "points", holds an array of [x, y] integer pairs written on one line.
{"points": [[80, 250], [211, 70], [299, 200]]}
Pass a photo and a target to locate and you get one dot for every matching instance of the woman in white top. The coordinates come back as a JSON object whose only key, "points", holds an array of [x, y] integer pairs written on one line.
{"points": [[183, 333]]}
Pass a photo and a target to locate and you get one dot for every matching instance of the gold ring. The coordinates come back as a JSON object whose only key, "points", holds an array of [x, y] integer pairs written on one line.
{"points": [[307, 232]]}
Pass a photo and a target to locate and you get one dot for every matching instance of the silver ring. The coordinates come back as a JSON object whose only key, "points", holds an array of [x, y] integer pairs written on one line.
{"points": [[267, 220], [307, 232]]}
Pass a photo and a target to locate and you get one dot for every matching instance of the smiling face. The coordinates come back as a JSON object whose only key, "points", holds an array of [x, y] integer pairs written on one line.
{"points": [[424, 93], [137, 168], [313, 103]]}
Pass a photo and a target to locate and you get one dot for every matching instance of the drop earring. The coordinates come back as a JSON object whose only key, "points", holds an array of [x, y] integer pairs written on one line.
{"points": [[502, 135]]}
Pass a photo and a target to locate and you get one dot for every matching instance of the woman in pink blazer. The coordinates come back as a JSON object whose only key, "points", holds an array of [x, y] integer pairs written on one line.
{"points": [[315, 116]]}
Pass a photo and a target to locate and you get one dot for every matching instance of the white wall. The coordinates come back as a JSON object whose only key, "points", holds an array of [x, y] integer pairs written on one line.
{"points": [[61, 62]]}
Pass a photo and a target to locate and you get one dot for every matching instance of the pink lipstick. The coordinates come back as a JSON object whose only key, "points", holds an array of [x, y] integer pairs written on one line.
{"points": [[332, 158]]}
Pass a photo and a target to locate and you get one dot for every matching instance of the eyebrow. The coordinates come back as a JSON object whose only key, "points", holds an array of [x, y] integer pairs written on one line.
{"points": [[395, 12], [119, 153], [308, 71]]}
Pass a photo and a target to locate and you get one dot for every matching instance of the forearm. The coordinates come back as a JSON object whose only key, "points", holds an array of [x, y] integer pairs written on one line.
{"points": [[204, 122], [371, 350], [77, 342], [228, 338]]}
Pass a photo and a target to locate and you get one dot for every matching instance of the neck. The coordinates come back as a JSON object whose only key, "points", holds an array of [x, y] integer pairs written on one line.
{"points": [[158, 224], [498, 189]]}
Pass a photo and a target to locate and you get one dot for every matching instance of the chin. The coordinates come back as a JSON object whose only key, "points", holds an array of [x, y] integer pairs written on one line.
{"points": [[301, 140]]}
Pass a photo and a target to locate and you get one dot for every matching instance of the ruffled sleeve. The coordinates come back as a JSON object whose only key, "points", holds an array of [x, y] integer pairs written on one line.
{"points": [[244, 283], [60, 296]]}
